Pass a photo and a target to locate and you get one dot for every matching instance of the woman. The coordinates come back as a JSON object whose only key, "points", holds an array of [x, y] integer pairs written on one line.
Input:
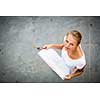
{"points": [[72, 53]]}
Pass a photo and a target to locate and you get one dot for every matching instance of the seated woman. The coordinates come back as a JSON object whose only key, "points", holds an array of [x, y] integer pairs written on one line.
{"points": [[72, 53]]}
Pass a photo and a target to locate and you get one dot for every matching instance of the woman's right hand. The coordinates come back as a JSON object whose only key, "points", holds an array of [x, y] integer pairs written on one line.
{"points": [[47, 46]]}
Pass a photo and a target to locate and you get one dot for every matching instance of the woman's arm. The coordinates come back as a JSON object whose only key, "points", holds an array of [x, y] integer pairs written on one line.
{"points": [[76, 72], [57, 46], [70, 76]]}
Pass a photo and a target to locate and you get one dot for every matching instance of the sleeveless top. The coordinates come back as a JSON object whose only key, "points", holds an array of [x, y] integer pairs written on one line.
{"points": [[78, 63]]}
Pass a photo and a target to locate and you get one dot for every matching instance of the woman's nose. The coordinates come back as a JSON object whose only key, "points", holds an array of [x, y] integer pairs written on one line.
{"points": [[67, 45]]}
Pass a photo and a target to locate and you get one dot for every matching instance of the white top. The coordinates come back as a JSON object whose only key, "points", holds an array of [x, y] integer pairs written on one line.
{"points": [[78, 63]]}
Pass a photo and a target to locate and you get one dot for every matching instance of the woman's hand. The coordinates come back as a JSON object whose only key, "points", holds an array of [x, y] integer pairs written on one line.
{"points": [[68, 77], [47, 46]]}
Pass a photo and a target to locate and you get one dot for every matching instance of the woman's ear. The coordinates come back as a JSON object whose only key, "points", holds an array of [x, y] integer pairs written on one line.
{"points": [[64, 38]]}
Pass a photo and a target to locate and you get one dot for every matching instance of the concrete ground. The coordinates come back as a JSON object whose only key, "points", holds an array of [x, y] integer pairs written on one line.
{"points": [[19, 62]]}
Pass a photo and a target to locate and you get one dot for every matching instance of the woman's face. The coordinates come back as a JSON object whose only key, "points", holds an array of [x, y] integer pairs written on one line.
{"points": [[70, 43]]}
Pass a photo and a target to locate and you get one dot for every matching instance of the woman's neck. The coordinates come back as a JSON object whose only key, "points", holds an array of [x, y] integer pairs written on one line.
{"points": [[76, 54]]}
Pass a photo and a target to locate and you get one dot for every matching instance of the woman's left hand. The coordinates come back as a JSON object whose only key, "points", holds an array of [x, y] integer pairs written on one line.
{"points": [[68, 77]]}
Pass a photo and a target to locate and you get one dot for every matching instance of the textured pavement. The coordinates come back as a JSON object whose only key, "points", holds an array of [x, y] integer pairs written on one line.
{"points": [[19, 62]]}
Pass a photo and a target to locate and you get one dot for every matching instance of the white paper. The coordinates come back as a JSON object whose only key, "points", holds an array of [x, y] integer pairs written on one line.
{"points": [[55, 62]]}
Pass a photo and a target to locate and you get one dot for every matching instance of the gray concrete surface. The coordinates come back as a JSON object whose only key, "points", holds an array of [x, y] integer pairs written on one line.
{"points": [[19, 62]]}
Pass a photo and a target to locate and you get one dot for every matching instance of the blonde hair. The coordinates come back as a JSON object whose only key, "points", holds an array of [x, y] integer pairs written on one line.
{"points": [[76, 35]]}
